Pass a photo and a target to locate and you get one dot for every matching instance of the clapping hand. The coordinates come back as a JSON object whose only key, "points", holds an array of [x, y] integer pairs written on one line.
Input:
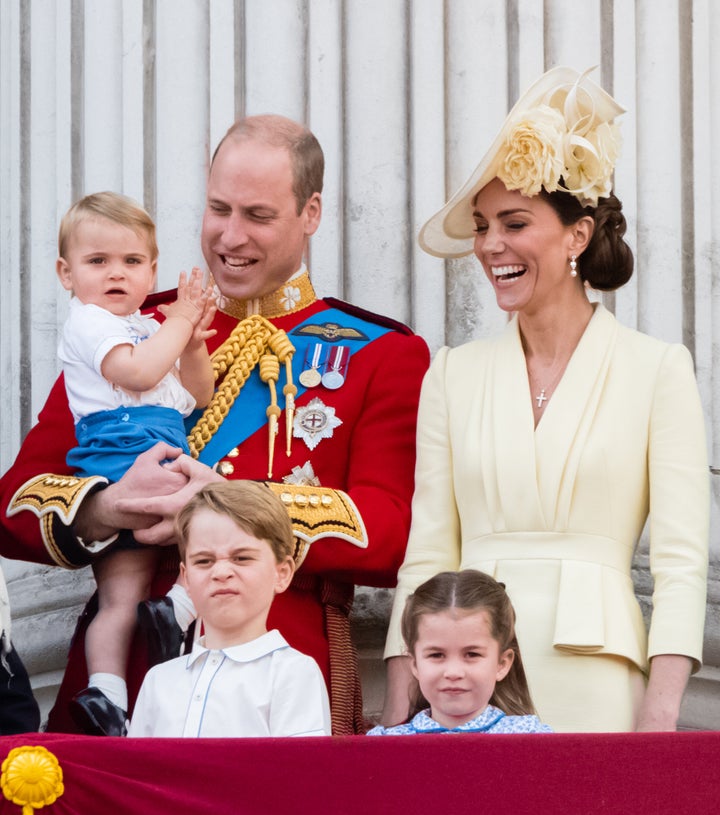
{"points": [[195, 302]]}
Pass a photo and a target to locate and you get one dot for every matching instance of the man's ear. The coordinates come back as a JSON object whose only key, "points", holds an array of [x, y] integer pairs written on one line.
{"points": [[183, 575], [313, 213], [62, 269]]}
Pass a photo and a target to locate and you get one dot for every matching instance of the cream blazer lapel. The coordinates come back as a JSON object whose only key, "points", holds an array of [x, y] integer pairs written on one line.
{"points": [[508, 444], [562, 432], [529, 472]]}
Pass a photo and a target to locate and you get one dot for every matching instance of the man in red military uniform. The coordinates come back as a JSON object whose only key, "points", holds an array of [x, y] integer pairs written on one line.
{"points": [[314, 395]]}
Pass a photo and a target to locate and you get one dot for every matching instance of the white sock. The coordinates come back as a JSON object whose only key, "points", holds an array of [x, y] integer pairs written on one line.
{"points": [[182, 606], [112, 686]]}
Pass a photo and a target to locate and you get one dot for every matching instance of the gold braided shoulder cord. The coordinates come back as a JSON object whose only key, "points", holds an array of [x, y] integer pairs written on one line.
{"points": [[253, 340]]}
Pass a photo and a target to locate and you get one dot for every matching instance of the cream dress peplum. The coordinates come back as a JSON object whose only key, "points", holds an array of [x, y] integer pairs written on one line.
{"points": [[555, 512]]}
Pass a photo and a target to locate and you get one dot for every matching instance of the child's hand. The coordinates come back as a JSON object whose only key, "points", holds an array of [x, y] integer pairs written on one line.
{"points": [[202, 330], [192, 299]]}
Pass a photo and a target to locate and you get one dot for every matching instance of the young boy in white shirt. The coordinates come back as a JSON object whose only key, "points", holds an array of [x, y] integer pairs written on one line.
{"points": [[236, 542]]}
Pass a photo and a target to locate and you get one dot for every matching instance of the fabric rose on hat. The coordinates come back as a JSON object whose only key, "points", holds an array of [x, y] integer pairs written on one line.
{"points": [[534, 155], [589, 162]]}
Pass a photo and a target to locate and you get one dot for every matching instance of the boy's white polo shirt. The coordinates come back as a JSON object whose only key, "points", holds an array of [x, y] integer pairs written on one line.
{"points": [[260, 688]]}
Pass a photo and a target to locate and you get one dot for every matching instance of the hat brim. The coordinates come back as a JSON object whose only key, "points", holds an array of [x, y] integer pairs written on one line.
{"points": [[450, 232]]}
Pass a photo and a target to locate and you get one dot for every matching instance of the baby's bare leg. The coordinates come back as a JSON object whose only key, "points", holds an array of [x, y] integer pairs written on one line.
{"points": [[123, 579]]}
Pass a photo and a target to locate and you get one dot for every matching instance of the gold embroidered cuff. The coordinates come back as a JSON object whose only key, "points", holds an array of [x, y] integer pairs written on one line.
{"points": [[320, 512], [53, 499]]}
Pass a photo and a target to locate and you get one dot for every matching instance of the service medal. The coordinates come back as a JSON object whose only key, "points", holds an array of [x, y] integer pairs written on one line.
{"points": [[336, 367], [333, 380], [310, 377]]}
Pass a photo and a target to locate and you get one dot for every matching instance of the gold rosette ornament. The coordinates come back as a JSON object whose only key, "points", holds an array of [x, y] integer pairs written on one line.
{"points": [[31, 778]]}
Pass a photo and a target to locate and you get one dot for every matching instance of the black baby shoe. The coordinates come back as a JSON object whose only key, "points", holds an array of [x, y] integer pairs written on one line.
{"points": [[164, 637], [96, 715]]}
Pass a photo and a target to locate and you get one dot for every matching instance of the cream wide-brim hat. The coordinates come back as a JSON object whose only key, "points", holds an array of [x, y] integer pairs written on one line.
{"points": [[450, 232]]}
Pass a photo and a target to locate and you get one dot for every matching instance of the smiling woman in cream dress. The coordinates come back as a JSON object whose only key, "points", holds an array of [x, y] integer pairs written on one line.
{"points": [[542, 452]]}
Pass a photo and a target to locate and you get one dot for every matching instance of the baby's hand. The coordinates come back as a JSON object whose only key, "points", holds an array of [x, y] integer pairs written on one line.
{"points": [[202, 330], [192, 299]]}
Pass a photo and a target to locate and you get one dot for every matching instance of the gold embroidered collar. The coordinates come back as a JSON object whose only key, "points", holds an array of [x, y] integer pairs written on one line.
{"points": [[294, 295]]}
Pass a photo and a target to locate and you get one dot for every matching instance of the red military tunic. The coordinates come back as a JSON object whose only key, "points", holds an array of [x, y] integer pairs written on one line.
{"points": [[368, 454]]}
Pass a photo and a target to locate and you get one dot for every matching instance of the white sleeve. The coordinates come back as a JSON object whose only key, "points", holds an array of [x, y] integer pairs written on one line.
{"points": [[679, 510], [90, 333], [299, 704]]}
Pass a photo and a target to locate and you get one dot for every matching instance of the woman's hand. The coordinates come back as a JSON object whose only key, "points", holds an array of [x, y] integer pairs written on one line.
{"points": [[660, 709]]}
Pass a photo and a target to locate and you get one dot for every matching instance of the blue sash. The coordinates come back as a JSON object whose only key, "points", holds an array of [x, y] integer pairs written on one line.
{"points": [[247, 415]]}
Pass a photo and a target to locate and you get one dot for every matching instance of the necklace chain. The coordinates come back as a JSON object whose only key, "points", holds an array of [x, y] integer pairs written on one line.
{"points": [[541, 397], [571, 336]]}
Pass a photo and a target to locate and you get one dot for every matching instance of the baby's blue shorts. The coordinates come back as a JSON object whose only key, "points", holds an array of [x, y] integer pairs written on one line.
{"points": [[109, 441]]}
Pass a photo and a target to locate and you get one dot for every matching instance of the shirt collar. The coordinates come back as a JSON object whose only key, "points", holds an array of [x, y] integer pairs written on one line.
{"points": [[245, 652]]}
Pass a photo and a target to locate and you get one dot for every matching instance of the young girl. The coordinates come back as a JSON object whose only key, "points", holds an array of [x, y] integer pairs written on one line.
{"points": [[130, 381], [459, 630]]}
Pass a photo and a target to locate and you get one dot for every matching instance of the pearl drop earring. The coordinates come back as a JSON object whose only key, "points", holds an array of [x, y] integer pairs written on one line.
{"points": [[573, 266]]}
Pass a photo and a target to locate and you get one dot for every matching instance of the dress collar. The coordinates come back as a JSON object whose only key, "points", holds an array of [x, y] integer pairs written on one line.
{"points": [[423, 723], [297, 293]]}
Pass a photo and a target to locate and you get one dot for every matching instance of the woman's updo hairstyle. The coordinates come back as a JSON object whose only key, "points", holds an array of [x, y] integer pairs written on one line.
{"points": [[607, 263]]}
